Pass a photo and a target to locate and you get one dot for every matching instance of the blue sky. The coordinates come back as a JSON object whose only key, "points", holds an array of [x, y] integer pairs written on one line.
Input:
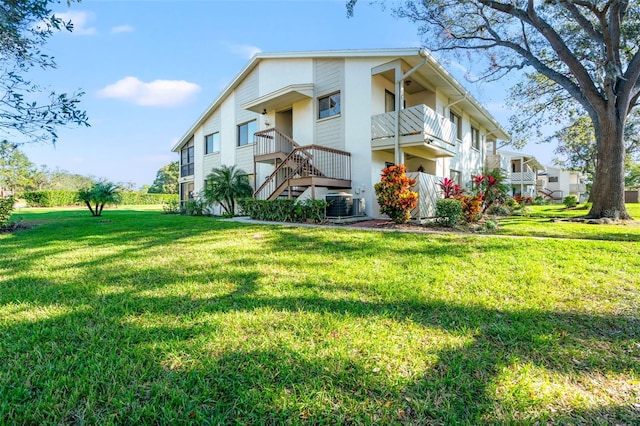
{"points": [[150, 68]]}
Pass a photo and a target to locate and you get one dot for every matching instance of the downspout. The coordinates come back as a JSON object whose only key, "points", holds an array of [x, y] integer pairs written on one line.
{"points": [[400, 100]]}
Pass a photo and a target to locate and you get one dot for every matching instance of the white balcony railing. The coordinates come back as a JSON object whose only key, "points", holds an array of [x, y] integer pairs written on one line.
{"points": [[415, 120], [576, 188], [523, 177]]}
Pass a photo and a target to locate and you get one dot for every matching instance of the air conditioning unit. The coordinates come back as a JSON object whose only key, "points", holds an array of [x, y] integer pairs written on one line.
{"points": [[358, 208], [340, 204]]}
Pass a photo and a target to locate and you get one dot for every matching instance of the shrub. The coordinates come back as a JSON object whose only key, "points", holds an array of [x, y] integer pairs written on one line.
{"points": [[539, 201], [195, 207], [471, 207], [570, 200], [499, 210], [171, 206], [448, 211], [6, 207], [395, 197], [284, 210], [146, 199], [51, 198]]}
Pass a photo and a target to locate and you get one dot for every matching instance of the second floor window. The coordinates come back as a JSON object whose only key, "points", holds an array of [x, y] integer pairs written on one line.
{"points": [[475, 138], [329, 106], [187, 159], [245, 133], [212, 143], [457, 125]]}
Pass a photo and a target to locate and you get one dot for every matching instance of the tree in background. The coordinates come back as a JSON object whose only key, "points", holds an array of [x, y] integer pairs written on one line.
{"points": [[581, 53], [16, 171], [99, 195], [632, 177], [225, 186], [577, 149], [166, 181], [25, 27]]}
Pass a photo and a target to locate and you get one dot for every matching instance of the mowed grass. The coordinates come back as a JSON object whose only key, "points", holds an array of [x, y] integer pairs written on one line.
{"points": [[553, 221], [139, 317]]}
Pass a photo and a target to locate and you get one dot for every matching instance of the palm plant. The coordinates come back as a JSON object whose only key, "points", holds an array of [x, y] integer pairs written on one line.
{"points": [[98, 195], [225, 185]]}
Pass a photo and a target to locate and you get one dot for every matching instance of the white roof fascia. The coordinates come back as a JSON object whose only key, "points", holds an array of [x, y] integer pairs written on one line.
{"points": [[499, 131], [351, 53]]}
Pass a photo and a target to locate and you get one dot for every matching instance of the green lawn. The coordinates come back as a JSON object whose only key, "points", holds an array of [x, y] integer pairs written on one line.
{"points": [[551, 221], [139, 317]]}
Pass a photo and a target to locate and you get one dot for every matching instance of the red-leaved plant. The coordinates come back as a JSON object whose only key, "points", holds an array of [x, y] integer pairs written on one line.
{"points": [[395, 197]]}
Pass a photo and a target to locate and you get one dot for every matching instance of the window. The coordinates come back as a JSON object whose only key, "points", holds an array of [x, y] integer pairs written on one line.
{"points": [[329, 106], [212, 143], [475, 138], [457, 124], [553, 179], [245, 133], [186, 159], [186, 192], [389, 101], [455, 176]]}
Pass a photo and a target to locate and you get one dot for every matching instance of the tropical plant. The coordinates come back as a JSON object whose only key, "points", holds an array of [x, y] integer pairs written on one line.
{"points": [[491, 188], [98, 195], [395, 197], [450, 188], [225, 186]]}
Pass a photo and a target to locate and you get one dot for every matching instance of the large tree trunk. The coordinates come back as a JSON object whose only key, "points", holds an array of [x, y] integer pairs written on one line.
{"points": [[608, 187]]}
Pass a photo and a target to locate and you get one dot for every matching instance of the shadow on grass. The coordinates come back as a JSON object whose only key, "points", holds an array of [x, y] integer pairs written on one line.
{"points": [[95, 360]]}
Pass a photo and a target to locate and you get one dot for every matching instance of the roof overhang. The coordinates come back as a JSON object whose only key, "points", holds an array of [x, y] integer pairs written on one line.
{"points": [[280, 98]]}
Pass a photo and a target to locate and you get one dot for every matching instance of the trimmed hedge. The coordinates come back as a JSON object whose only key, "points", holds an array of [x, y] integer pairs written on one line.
{"points": [[285, 210], [52, 198], [6, 206], [136, 198]]}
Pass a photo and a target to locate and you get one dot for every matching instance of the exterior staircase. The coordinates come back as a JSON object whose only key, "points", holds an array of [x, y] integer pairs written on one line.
{"points": [[298, 167]]}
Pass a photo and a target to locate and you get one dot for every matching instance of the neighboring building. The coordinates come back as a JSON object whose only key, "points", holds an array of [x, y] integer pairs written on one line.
{"points": [[306, 124], [563, 182], [521, 171]]}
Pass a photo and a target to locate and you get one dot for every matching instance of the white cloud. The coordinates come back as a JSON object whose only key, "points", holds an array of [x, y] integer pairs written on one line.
{"points": [[154, 93], [122, 29], [244, 50], [80, 21]]}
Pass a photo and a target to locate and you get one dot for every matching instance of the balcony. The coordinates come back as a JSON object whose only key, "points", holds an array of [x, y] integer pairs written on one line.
{"points": [[272, 144], [577, 188], [523, 177], [423, 132]]}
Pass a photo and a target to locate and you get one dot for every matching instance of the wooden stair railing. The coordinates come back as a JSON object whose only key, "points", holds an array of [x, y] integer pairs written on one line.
{"points": [[551, 194], [271, 141], [306, 161]]}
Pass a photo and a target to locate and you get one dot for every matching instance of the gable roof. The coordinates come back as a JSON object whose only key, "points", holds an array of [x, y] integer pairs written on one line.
{"points": [[412, 56]]}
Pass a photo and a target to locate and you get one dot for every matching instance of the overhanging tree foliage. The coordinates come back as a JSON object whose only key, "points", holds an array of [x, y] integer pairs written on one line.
{"points": [[586, 50], [29, 112]]}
